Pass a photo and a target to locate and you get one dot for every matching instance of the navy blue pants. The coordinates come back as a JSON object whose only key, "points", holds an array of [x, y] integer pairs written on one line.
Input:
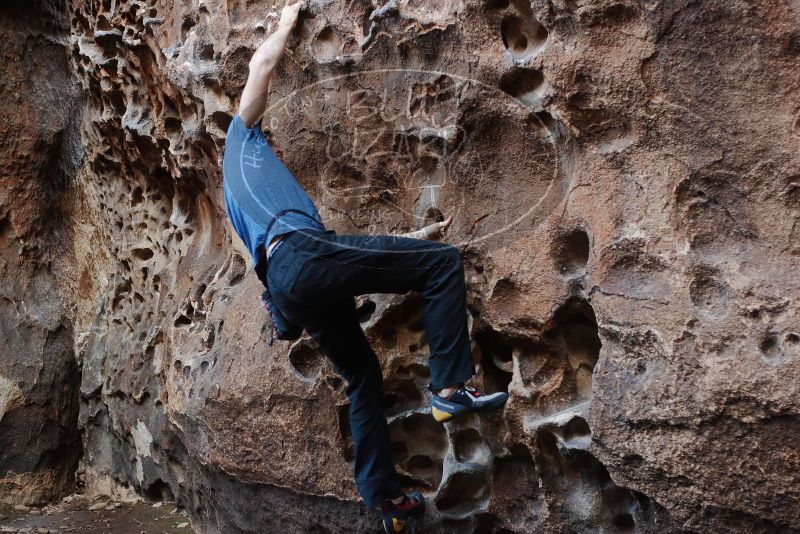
{"points": [[313, 277]]}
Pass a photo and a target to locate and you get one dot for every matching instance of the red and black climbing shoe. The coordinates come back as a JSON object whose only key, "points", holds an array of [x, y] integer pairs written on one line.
{"points": [[396, 516], [465, 400]]}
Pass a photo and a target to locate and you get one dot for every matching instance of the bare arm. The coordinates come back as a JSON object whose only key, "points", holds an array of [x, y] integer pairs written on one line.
{"points": [[430, 230], [263, 63]]}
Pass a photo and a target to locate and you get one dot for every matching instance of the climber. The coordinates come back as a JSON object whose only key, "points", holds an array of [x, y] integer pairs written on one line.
{"points": [[314, 275]]}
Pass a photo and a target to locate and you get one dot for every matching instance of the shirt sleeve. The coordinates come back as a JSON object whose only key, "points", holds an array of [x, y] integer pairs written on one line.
{"points": [[238, 131]]}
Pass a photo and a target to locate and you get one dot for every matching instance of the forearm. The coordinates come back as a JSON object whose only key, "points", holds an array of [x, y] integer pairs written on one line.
{"points": [[428, 231], [422, 233], [270, 52], [262, 65]]}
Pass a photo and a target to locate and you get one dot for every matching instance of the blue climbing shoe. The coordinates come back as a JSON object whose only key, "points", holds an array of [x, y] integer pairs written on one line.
{"points": [[465, 400]]}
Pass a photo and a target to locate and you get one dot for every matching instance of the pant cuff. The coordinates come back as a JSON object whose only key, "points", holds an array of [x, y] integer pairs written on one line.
{"points": [[452, 381], [376, 490]]}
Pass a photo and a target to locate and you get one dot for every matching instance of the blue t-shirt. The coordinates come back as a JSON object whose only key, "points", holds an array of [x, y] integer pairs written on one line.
{"points": [[257, 186]]}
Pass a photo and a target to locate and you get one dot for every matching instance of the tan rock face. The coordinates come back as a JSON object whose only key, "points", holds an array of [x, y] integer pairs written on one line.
{"points": [[40, 147], [624, 180]]}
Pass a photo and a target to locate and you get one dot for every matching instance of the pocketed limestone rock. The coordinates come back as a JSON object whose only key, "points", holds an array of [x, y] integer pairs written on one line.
{"points": [[623, 179]]}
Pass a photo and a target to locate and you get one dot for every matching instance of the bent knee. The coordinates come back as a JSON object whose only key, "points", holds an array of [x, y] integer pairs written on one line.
{"points": [[452, 258]]}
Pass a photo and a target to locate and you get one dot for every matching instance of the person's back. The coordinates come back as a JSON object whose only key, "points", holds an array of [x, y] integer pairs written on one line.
{"points": [[263, 198]]}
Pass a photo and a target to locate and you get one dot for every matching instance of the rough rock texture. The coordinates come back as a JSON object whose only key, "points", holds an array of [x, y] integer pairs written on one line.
{"points": [[625, 182], [40, 151]]}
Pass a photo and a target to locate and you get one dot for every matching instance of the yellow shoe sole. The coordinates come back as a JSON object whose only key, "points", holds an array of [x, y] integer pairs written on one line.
{"points": [[440, 416]]}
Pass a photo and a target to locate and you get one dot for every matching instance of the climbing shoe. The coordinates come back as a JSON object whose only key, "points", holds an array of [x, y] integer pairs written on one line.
{"points": [[465, 400], [396, 516]]}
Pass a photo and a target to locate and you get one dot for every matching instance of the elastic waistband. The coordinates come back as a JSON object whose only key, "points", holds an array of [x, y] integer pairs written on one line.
{"points": [[306, 233], [294, 239]]}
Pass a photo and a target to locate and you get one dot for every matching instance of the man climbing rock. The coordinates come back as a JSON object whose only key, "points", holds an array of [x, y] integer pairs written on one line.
{"points": [[313, 276]]}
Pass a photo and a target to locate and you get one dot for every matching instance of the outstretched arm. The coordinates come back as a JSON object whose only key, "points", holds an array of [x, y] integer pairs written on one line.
{"points": [[263, 63], [430, 230]]}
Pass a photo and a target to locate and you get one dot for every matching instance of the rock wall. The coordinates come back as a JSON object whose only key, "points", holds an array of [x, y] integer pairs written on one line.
{"points": [[625, 184], [40, 107]]}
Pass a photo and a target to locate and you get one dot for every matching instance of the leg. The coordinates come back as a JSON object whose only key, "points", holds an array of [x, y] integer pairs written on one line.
{"points": [[339, 334], [345, 266]]}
